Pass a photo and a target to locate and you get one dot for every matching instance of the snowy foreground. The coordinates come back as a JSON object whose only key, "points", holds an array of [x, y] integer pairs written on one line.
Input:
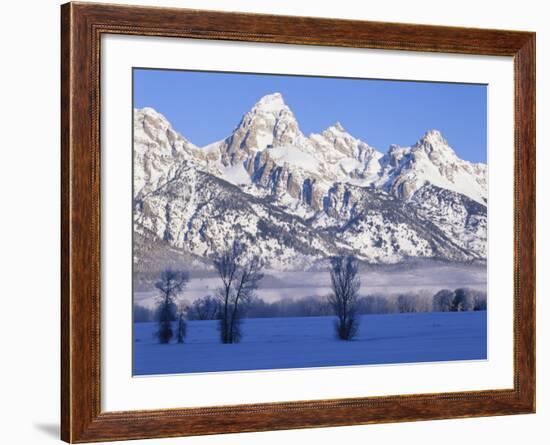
{"points": [[276, 343]]}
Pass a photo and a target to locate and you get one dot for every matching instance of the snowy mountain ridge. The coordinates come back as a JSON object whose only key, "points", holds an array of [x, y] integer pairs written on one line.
{"points": [[302, 198]]}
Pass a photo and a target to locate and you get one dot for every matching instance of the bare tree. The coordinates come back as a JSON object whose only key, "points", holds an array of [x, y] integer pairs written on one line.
{"points": [[182, 328], [443, 301], [345, 287], [226, 266], [204, 308], [171, 284], [182, 325], [375, 304], [407, 303], [464, 300], [480, 301], [240, 278]]}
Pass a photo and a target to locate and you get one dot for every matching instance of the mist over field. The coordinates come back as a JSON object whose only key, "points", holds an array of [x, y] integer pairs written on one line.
{"points": [[380, 280]]}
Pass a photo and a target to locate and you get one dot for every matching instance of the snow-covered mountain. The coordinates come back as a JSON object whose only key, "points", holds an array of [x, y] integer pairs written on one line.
{"points": [[431, 160], [296, 199]]}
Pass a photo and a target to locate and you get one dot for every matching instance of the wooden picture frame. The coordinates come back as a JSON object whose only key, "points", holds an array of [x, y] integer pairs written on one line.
{"points": [[82, 25]]}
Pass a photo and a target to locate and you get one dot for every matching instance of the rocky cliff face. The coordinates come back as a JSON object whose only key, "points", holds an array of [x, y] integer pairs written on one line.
{"points": [[295, 200], [431, 160]]}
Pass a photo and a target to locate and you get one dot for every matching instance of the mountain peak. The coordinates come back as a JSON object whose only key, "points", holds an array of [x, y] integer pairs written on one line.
{"points": [[434, 137], [335, 130], [149, 112], [271, 102], [433, 142], [338, 126]]}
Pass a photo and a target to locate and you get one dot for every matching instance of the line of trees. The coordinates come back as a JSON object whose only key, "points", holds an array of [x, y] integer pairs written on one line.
{"points": [[207, 307], [313, 306], [240, 275], [459, 300]]}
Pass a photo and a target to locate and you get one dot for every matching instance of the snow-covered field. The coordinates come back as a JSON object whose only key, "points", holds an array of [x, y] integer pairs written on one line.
{"points": [[278, 343]]}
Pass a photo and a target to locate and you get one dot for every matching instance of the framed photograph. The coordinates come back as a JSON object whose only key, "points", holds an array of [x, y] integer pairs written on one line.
{"points": [[275, 222]]}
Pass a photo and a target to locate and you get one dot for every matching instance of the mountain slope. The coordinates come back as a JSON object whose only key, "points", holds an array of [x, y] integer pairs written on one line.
{"points": [[295, 200], [431, 160], [202, 214]]}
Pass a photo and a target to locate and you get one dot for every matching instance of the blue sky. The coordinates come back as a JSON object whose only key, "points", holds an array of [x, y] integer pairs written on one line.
{"points": [[206, 106]]}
